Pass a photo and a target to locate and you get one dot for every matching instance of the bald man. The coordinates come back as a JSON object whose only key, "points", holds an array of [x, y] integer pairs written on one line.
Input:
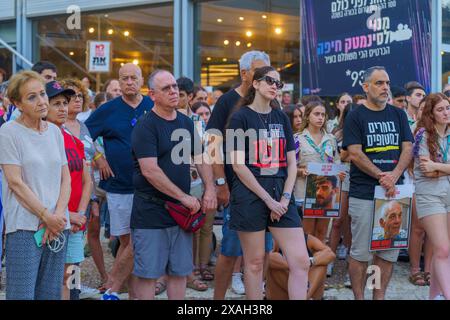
{"points": [[114, 121]]}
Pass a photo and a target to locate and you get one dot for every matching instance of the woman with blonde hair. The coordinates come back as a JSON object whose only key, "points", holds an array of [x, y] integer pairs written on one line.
{"points": [[36, 194]]}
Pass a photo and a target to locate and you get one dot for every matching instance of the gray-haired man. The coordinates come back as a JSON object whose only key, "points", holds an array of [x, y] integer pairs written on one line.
{"points": [[379, 141]]}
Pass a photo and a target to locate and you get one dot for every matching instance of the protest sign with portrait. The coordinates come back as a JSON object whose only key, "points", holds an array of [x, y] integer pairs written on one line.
{"points": [[323, 190], [391, 219]]}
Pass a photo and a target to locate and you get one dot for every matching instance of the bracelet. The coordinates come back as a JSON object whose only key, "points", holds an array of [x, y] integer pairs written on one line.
{"points": [[41, 213], [98, 156]]}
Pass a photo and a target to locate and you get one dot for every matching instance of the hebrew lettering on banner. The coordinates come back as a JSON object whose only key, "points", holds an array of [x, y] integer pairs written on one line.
{"points": [[342, 38]]}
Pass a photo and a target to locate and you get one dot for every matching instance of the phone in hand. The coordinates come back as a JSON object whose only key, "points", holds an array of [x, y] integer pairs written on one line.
{"points": [[38, 235]]}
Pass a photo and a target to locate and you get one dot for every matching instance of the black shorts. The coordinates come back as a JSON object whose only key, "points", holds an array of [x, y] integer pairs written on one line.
{"points": [[250, 214]]}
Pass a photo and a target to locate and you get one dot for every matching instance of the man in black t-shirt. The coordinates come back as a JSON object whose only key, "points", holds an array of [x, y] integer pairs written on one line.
{"points": [[379, 141], [223, 174], [162, 172]]}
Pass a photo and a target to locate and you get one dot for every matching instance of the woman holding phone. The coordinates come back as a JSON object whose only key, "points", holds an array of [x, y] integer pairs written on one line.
{"points": [[37, 185]]}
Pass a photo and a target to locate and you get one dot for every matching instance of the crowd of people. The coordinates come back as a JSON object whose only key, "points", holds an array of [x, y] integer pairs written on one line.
{"points": [[140, 167]]}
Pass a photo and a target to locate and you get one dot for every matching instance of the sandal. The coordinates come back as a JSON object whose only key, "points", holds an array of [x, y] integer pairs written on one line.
{"points": [[160, 287], [206, 274], [418, 279], [102, 288], [427, 277], [197, 284]]}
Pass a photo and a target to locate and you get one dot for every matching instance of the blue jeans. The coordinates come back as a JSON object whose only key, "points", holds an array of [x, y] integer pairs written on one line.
{"points": [[231, 246]]}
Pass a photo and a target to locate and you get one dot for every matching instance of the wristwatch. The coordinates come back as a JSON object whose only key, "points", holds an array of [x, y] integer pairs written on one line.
{"points": [[312, 261], [287, 195], [221, 182]]}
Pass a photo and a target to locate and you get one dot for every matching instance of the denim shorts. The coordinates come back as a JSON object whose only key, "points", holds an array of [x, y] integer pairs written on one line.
{"points": [[231, 246]]}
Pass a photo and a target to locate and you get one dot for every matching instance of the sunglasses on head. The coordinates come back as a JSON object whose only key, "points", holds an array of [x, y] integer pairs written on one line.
{"points": [[270, 81]]}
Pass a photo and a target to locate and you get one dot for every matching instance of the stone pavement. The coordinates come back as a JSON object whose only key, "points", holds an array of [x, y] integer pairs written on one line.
{"points": [[399, 289]]}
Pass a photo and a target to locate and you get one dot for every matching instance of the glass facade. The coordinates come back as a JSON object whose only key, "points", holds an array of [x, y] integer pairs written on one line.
{"points": [[142, 35], [8, 34], [446, 42], [228, 28]]}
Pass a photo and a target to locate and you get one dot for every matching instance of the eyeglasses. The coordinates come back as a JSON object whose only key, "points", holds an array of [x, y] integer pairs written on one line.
{"points": [[78, 95], [270, 81]]}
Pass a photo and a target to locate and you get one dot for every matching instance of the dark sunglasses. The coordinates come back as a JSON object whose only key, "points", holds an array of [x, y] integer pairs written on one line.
{"points": [[270, 81]]}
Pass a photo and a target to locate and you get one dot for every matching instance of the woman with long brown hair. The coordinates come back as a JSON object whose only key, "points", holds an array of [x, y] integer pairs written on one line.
{"points": [[432, 170], [261, 196], [318, 146]]}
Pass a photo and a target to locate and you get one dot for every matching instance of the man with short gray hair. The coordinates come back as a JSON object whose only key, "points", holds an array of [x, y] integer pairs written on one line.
{"points": [[223, 174], [379, 141], [114, 121], [160, 245]]}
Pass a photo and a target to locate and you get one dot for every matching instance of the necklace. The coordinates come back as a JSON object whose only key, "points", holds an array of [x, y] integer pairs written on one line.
{"points": [[267, 121], [41, 129]]}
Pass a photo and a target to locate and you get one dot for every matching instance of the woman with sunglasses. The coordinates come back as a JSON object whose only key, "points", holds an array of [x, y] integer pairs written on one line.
{"points": [[81, 185], [318, 146], [264, 163], [431, 171]]}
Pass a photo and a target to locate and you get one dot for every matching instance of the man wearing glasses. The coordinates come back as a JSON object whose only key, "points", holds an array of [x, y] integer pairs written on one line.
{"points": [[163, 174], [114, 121]]}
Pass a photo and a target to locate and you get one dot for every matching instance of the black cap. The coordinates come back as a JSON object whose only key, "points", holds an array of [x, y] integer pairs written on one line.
{"points": [[398, 92], [54, 88]]}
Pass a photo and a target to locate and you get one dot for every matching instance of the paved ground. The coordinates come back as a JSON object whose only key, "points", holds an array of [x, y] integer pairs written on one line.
{"points": [[399, 289]]}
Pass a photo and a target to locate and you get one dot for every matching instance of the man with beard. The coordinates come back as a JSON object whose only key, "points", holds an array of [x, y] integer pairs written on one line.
{"points": [[326, 189]]}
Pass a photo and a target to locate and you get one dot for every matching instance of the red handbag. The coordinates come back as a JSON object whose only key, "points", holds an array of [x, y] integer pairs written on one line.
{"points": [[183, 216], [188, 221]]}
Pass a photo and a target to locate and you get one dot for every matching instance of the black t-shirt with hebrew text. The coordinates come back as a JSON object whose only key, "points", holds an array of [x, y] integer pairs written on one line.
{"points": [[381, 134]]}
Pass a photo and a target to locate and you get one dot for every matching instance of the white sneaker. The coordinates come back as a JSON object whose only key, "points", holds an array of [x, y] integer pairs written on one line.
{"points": [[330, 268], [237, 286], [347, 282], [439, 297], [88, 292], [341, 252]]}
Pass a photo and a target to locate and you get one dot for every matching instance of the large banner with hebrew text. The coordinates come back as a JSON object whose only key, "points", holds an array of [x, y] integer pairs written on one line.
{"points": [[342, 38]]}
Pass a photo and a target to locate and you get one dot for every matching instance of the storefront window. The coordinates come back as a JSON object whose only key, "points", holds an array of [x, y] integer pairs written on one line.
{"points": [[7, 34], [143, 36], [445, 68], [446, 21], [227, 29]]}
